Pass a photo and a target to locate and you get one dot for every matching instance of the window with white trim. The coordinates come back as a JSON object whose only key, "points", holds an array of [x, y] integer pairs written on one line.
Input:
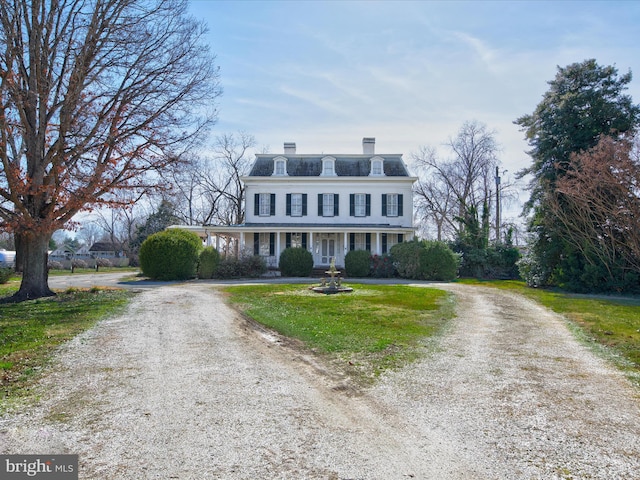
{"points": [[265, 244], [265, 204], [296, 204], [360, 241], [327, 205], [376, 167], [392, 205], [296, 240], [360, 204], [280, 168], [328, 167]]}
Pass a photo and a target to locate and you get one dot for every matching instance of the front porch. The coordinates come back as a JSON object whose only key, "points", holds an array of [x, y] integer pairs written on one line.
{"points": [[324, 242]]}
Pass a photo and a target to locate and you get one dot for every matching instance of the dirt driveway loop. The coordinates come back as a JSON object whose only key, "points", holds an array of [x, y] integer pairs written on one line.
{"points": [[181, 387]]}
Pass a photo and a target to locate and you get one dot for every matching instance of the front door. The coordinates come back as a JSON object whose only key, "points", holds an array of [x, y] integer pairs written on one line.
{"points": [[326, 248]]}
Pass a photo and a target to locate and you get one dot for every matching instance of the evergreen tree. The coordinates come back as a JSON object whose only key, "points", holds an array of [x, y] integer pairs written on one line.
{"points": [[584, 102]]}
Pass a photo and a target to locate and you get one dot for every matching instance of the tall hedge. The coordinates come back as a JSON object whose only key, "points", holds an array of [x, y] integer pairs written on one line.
{"points": [[208, 262], [170, 255], [425, 260], [357, 263], [296, 262]]}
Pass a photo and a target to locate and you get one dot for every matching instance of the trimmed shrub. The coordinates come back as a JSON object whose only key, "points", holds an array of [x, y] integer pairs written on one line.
{"points": [[209, 260], [170, 255], [232, 267], [5, 274], [425, 260], [357, 263], [296, 262], [382, 266], [439, 262]]}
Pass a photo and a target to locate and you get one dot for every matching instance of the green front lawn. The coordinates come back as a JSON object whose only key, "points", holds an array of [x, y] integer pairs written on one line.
{"points": [[30, 331], [368, 330]]}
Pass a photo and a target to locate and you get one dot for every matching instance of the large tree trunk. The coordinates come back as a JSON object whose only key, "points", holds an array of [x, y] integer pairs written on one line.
{"points": [[35, 274]]}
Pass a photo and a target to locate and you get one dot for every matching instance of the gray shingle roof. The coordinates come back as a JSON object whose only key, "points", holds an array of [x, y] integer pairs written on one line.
{"points": [[345, 166]]}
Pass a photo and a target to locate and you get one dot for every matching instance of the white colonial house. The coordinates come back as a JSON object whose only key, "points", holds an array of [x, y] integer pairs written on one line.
{"points": [[328, 204]]}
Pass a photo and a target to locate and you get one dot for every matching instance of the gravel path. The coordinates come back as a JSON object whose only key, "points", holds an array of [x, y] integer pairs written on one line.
{"points": [[182, 387]]}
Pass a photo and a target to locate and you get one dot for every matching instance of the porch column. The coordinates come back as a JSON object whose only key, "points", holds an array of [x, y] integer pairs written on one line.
{"points": [[378, 243], [278, 247], [310, 242], [240, 246], [346, 244]]}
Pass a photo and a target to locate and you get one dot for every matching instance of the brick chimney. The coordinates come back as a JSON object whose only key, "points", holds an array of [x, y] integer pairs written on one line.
{"points": [[369, 146], [289, 148]]}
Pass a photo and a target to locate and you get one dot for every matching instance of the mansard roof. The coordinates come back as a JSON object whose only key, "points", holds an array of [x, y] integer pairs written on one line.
{"points": [[345, 165]]}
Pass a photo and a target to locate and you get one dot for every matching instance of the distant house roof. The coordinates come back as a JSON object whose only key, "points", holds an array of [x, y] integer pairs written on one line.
{"points": [[105, 247], [345, 165]]}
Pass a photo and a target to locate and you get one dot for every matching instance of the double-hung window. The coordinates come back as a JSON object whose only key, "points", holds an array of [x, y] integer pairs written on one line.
{"points": [[360, 204], [296, 204], [265, 204], [392, 205], [328, 205]]}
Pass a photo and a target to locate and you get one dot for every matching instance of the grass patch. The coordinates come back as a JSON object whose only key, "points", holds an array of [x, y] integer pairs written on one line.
{"points": [[30, 331], [373, 328], [612, 323]]}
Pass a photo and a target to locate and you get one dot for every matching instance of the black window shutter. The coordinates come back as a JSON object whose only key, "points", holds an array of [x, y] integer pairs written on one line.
{"points": [[272, 244], [384, 243], [320, 204], [368, 206], [384, 204], [368, 242], [400, 209], [352, 204], [256, 243], [256, 204], [287, 241], [400, 237], [336, 204], [272, 205], [304, 241], [288, 204], [352, 242], [304, 204]]}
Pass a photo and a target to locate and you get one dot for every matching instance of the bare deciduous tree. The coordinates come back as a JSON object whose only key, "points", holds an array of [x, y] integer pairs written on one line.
{"points": [[93, 95], [598, 204], [448, 188]]}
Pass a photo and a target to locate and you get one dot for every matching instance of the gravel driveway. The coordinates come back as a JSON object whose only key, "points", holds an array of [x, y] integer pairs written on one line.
{"points": [[182, 387]]}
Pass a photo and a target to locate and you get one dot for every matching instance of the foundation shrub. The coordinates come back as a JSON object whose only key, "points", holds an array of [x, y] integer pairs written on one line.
{"points": [[209, 260], [357, 263], [296, 262]]}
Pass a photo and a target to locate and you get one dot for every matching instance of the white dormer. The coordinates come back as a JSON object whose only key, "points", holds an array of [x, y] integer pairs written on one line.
{"points": [[377, 167], [328, 167], [280, 167]]}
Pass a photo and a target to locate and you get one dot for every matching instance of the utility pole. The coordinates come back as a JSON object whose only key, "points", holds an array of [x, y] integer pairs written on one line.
{"points": [[497, 206]]}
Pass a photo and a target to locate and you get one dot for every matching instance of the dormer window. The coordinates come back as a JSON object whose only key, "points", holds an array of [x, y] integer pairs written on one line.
{"points": [[377, 167], [280, 166], [328, 167]]}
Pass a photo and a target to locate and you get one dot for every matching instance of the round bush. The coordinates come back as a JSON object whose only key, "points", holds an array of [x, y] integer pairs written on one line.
{"points": [[209, 260], [357, 263], [170, 255], [296, 262], [425, 260]]}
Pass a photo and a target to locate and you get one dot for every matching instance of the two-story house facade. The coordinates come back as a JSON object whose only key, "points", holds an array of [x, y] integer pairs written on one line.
{"points": [[329, 204]]}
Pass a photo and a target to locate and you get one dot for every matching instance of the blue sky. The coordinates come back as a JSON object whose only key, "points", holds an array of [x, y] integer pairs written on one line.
{"points": [[325, 74]]}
